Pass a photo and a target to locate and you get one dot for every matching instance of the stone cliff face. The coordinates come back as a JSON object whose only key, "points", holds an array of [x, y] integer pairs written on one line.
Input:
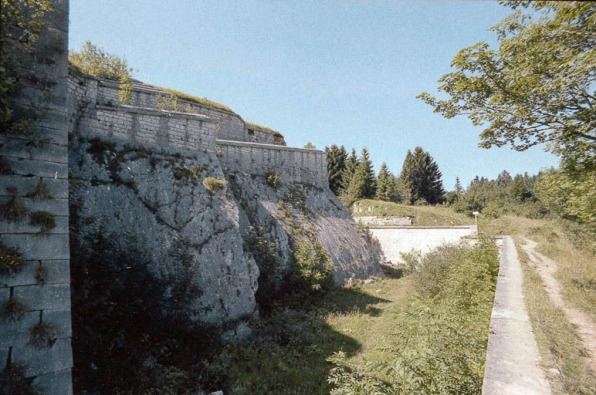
{"points": [[156, 192]]}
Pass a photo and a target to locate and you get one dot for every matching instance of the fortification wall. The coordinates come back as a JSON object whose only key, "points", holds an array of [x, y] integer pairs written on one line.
{"points": [[293, 165], [137, 125], [229, 126], [32, 164]]}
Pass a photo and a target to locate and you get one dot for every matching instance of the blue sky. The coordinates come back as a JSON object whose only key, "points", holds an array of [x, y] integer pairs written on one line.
{"points": [[343, 72]]}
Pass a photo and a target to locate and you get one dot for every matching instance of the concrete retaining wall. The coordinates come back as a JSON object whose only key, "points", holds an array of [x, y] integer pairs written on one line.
{"points": [[291, 164], [384, 221], [403, 239], [42, 285]]}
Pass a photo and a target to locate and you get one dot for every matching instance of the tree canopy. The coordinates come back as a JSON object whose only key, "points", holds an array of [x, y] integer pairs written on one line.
{"points": [[420, 174], [536, 87]]}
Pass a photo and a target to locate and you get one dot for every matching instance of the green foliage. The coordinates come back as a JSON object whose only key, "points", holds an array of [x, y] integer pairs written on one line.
{"points": [[367, 171], [336, 166], [536, 87], [273, 179], [421, 176], [312, 273], [352, 163], [421, 215], [192, 174], [213, 185], [11, 260], [263, 129], [264, 253], [387, 189], [45, 220], [309, 145], [20, 19], [439, 345], [193, 99], [13, 310], [42, 335], [172, 103], [96, 61], [41, 191], [41, 274], [13, 381], [13, 210], [126, 89]]}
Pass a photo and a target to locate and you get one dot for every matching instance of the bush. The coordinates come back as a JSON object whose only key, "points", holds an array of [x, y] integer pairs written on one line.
{"points": [[95, 61], [272, 178], [42, 335], [45, 220], [312, 273], [11, 260], [213, 185], [439, 346]]}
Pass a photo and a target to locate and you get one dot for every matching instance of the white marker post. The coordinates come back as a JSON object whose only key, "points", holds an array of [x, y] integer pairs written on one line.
{"points": [[476, 214]]}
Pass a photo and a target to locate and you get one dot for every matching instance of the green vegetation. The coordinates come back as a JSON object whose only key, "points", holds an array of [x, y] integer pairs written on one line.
{"points": [[363, 183], [11, 260], [45, 220], [421, 177], [192, 174], [312, 273], [95, 61], [41, 191], [41, 274], [20, 18], [13, 310], [42, 335], [213, 185], [439, 338], [263, 129], [273, 179], [421, 215], [13, 381], [194, 99], [13, 210], [336, 165]]}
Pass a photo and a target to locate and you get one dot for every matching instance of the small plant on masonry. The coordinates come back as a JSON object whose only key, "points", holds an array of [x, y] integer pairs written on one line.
{"points": [[45, 220], [11, 260], [14, 209], [42, 335]]}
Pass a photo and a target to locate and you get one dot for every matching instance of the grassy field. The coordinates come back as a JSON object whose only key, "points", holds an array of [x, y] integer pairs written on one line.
{"points": [[421, 215]]}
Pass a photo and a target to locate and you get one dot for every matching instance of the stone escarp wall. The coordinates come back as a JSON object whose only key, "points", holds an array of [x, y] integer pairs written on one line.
{"points": [[292, 165], [35, 298], [229, 125]]}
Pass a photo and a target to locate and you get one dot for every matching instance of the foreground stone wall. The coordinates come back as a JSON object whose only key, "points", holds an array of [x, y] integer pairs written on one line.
{"points": [[31, 164], [394, 241], [292, 165]]}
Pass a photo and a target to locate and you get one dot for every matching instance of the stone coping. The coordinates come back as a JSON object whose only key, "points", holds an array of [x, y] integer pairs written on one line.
{"points": [[156, 113], [267, 146]]}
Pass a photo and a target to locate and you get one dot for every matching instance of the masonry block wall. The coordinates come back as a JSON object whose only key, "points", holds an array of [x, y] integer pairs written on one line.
{"points": [[229, 126], [34, 178], [291, 164]]}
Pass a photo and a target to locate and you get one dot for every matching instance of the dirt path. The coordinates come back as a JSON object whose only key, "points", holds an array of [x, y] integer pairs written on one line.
{"points": [[584, 327]]}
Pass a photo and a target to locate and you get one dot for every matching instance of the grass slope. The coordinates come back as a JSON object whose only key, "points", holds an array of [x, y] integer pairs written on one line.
{"points": [[421, 215]]}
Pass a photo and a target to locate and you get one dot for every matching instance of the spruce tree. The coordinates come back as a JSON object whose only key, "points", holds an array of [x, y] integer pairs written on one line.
{"points": [[336, 165], [349, 170], [370, 181], [422, 177], [385, 184], [358, 184], [459, 191]]}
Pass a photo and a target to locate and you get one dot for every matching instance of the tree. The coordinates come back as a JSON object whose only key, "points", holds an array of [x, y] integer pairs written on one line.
{"points": [[422, 177], [385, 185], [459, 191], [358, 185], [370, 181], [537, 87], [351, 165], [95, 61], [336, 166]]}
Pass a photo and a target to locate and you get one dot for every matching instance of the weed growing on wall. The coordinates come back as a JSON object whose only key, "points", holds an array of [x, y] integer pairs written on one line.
{"points": [[13, 310], [42, 335], [45, 220], [213, 184], [11, 260], [41, 191], [14, 210], [13, 381], [273, 179]]}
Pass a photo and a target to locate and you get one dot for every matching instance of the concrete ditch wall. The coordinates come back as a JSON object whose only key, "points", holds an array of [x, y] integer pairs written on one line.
{"points": [[42, 286], [395, 240]]}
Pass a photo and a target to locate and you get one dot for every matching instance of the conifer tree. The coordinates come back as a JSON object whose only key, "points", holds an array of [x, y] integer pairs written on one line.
{"points": [[336, 165], [358, 184], [459, 190], [349, 170], [385, 184], [422, 177], [370, 181]]}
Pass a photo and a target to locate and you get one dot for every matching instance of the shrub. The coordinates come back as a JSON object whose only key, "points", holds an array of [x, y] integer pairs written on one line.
{"points": [[95, 61], [264, 253], [11, 260], [42, 335], [272, 178], [13, 310], [45, 220], [40, 191], [213, 185], [193, 174], [14, 209], [312, 273], [13, 381]]}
